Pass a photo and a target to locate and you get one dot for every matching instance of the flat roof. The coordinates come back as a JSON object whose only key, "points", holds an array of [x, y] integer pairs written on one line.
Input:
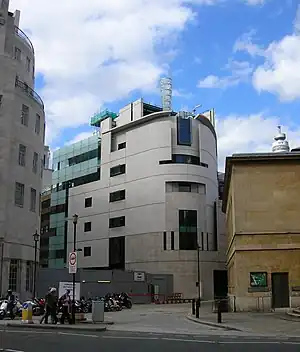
{"points": [[254, 158]]}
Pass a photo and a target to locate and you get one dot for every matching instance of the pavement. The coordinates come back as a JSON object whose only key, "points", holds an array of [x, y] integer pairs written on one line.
{"points": [[23, 340], [271, 324], [175, 320]]}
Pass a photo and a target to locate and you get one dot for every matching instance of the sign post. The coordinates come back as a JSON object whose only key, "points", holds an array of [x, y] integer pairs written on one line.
{"points": [[73, 263]]}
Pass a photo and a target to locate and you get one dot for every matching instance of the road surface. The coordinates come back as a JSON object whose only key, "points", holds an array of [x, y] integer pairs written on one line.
{"points": [[22, 340]]}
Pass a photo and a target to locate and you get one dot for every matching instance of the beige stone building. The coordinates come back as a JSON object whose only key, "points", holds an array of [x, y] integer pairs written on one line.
{"points": [[262, 204]]}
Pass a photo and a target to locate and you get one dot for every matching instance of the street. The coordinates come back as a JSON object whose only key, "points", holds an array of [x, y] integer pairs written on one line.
{"points": [[22, 340]]}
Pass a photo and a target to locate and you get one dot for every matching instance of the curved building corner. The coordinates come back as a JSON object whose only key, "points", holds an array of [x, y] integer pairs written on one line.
{"points": [[156, 205], [22, 129]]}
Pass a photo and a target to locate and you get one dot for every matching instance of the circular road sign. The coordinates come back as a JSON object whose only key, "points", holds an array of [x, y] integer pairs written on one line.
{"points": [[72, 258]]}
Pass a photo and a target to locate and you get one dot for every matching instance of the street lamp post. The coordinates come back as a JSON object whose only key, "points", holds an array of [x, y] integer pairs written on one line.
{"points": [[75, 220], [36, 238]]}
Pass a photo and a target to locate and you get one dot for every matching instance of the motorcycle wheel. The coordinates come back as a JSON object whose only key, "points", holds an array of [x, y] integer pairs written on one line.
{"points": [[1, 316], [129, 305]]}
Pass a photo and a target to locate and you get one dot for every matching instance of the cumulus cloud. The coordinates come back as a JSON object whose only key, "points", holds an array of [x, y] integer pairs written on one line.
{"points": [[280, 72], [95, 52], [250, 133], [239, 72]]}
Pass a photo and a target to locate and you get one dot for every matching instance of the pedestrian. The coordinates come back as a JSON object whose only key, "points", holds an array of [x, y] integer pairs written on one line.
{"points": [[11, 300], [51, 304], [66, 307]]}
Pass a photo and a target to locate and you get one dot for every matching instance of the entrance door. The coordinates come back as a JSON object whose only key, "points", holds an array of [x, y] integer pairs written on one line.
{"points": [[280, 290], [220, 284]]}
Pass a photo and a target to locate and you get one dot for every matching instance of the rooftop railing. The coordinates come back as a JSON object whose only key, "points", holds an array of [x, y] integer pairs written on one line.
{"points": [[24, 38], [30, 92]]}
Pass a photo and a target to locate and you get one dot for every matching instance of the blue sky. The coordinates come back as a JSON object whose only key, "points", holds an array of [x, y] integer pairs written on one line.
{"points": [[241, 57]]}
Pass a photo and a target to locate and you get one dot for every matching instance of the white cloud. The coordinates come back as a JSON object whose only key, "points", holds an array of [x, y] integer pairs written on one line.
{"points": [[79, 137], [247, 134], [99, 51], [255, 2], [239, 72], [280, 72]]}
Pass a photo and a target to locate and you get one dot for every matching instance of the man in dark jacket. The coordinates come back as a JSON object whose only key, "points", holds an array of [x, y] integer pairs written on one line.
{"points": [[10, 297], [51, 306]]}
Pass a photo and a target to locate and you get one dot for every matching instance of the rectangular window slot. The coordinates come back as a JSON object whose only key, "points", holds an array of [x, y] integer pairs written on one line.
{"points": [[122, 145], [22, 155], [32, 200], [87, 226], [188, 230], [165, 240], [118, 195], [117, 170], [88, 202], [172, 241], [184, 131], [117, 222], [19, 194], [24, 115], [87, 251]]}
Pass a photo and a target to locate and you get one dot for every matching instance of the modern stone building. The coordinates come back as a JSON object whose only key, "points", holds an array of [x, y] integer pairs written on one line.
{"points": [[261, 201], [22, 130], [156, 201]]}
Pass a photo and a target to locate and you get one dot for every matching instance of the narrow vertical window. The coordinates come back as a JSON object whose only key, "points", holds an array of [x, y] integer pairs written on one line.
{"points": [[165, 240]]}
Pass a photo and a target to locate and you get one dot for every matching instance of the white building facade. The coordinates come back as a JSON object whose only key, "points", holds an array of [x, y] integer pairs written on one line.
{"points": [[22, 129], [156, 201]]}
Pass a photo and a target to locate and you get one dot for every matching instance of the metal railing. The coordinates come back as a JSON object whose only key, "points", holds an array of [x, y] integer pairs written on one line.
{"points": [[30, 92], [24, 38]]}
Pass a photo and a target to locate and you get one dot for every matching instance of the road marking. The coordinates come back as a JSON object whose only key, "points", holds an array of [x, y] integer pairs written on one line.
{"points": [[73, 334], [9, 350]]}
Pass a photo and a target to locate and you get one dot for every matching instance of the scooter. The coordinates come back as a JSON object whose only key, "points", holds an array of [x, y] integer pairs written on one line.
{"points": [[5, 312]]}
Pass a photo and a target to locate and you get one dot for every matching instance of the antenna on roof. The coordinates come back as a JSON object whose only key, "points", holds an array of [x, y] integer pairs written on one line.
{"points": [[166, 90]]}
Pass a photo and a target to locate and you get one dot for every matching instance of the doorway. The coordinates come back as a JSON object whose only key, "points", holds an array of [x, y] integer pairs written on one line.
{"points": [[220, 284], [280, 290]]}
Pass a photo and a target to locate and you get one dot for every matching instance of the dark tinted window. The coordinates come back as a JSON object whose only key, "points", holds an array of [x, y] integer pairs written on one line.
{"points": [[118, 195], [165, 241], [184, 187], [87, 251], [184, 159], [117, 252], [117, 222], [117, 170], [83, 157], [172, 240], [188, 229], [88, 202], [122, 145], [87, 226], [184, 136]]}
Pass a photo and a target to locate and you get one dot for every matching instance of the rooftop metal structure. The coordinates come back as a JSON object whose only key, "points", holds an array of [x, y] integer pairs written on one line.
{"points": [[102, 115]]}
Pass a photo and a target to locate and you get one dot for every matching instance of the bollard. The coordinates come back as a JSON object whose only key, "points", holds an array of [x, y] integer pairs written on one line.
{"points": [[197, 308], [219, 313], [193, 306]]}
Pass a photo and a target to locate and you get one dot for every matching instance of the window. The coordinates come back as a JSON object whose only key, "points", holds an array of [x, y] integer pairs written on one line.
{"points": [[18, 54], [22, 155], [184, 187], [87, 251], [117, 170], [188, 230], [122, 145], [35, 162], [117, 222], [29, 276], [24, 115], [184, 159], [19, 194], [37, 124], [88, 202], [92, 154], [28, 62], [87, 226], [117, 252], [184, 131], [165, 240], [32, 199], [118, 195], [172, 241], [13, 275]]}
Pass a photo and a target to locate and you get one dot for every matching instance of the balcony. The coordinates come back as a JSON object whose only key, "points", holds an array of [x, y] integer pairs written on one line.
{"points": [[20, 34], [30, 92]]}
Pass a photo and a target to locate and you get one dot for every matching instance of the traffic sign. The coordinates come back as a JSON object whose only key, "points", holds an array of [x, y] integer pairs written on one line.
{"points": [[72, 263]]}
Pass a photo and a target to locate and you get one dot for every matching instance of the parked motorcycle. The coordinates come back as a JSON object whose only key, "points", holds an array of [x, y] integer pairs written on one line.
{"points": [[125, 300], [4, 312]]}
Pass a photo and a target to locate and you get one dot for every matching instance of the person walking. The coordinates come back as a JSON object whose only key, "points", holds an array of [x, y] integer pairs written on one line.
{"points": [[10, 297], [66, 307], [51, 306]]}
